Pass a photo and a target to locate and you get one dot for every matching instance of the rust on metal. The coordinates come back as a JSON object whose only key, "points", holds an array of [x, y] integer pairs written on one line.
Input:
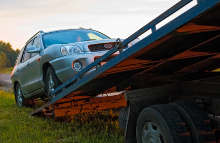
{"points": [[75, 106]]}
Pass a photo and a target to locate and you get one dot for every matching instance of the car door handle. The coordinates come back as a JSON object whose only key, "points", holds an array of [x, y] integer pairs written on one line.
{"points": [[17, 70], [28, 64]]}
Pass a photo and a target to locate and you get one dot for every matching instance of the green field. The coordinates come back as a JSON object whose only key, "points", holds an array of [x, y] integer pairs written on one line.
{"points": [[17, 126], [6, 70]]}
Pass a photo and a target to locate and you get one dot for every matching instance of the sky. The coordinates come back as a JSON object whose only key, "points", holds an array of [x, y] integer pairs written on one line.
{"points": [[21, 19]]}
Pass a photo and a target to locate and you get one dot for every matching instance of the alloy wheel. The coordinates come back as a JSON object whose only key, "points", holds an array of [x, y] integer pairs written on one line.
{"points": [[51, 84], [19, 97]]}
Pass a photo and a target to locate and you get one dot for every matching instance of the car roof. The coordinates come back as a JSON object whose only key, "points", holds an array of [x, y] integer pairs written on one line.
{"points": [[42, 32], [67, 30]]}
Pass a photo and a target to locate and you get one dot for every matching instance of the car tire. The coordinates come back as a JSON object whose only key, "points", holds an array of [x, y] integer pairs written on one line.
{"points": [[51, 81], [19, 98], [161, 123], [197, 121]]}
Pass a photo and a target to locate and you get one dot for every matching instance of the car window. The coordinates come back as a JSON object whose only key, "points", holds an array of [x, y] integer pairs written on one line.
{"points": [[26, 55], [71, 36], [36, 42], [19, 57], [93, 36]]}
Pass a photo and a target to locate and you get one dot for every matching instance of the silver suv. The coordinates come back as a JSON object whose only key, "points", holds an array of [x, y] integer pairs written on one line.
{"points": [[49, 59]]}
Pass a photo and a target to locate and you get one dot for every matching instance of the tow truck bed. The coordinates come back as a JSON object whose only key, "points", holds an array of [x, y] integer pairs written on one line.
{"points": [[188, 44], [176, 51], [175, 62]]}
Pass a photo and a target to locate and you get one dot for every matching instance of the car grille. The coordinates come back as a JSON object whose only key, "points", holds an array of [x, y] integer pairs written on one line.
{"points": [[101, 46]]}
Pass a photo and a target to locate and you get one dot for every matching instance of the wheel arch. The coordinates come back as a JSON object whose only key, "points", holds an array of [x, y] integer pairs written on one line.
{"points": [[14, 86], [45, 67]]}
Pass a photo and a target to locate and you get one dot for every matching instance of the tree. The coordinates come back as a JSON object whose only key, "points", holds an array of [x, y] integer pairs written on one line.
{"points": [[10, 53], [3, 60]]}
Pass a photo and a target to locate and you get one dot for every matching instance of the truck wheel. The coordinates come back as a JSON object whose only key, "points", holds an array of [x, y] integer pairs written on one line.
{"points": [[197, 121], [122, 119], [162, 124], [52, 82], [19, 98]]}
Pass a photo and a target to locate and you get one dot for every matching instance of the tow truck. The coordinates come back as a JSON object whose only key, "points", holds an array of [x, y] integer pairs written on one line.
{"points": [[167, 84]]}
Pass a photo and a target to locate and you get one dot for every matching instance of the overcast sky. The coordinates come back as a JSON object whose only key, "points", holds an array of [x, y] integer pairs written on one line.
{"points": [[21, 19]]}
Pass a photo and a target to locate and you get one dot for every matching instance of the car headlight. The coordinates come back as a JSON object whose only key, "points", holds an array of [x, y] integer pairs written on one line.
{"points": [[133, 42], [69, 50]]}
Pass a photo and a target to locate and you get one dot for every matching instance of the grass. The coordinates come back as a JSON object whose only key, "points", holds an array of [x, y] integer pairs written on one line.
{"points": [[6, 70], [17, 126]]}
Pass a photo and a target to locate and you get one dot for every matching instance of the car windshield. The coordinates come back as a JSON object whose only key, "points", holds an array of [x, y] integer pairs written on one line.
{"points": [[71, 36]]}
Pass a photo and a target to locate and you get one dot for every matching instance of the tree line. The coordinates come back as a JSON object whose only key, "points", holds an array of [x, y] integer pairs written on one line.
{"points": [[7, 55]]}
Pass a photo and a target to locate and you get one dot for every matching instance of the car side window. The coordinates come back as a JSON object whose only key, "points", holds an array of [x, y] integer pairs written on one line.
{"points": [[36, 42], [18, 60], [26, 55]]}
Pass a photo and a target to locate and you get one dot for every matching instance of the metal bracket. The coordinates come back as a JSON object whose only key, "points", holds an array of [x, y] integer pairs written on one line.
{"points": [[119, 45]]}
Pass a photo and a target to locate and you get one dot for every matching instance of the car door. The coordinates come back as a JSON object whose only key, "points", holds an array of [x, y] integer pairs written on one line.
{"points": [[30, 71], [34, 65]]}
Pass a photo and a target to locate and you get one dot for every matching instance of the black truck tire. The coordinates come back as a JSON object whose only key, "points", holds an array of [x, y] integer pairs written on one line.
{"points": [[197, 121], [161, 123], [122, 119]]}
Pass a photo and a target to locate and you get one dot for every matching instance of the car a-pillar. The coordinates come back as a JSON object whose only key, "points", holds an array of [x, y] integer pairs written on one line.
{"points": [[151, 118]]}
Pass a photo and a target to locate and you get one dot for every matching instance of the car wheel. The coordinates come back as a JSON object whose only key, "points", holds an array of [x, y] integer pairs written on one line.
{"points": [[162, 124], [52, 82], [19, 98]]}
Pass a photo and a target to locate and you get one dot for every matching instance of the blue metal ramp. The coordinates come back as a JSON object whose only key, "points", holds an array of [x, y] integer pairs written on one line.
{"points": [[187, 44]]}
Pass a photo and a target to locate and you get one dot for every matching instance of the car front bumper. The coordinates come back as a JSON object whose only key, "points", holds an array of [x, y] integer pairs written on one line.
{"points": [[64, 65]]}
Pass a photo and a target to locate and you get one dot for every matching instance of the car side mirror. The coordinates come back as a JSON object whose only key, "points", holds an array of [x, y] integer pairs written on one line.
{"points": [[33, 49]]}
